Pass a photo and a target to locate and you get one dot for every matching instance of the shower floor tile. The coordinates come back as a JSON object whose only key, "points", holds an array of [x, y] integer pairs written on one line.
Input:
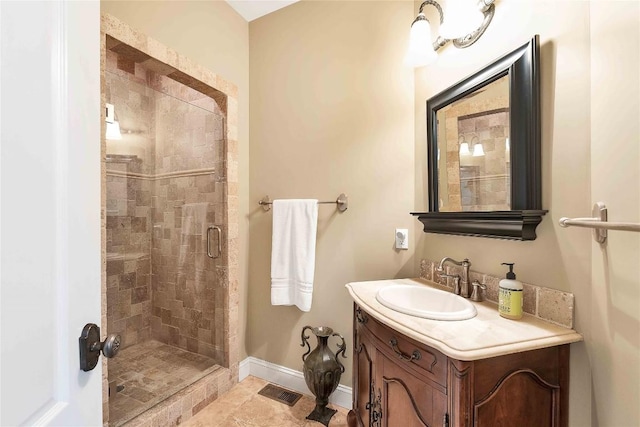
{"points": [[242, 406], [150, 372]]}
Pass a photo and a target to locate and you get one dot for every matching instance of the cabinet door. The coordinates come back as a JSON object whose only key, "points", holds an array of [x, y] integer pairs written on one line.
{"points": [[522, 399], [527, 389], [406, 399]]}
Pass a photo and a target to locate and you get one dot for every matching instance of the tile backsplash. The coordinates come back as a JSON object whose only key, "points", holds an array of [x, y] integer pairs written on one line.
{"points": [[547, 304]]}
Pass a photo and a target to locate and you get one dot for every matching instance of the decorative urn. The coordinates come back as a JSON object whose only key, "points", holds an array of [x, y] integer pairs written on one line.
{"points": [[322, 370]]}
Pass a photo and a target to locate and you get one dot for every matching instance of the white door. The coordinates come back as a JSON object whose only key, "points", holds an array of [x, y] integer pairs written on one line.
{"points": [[49, 210]]}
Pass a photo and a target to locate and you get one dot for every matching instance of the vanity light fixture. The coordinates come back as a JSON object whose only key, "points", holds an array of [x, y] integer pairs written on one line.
{"points": [[113, 127], [466, 21], [113, 131], [464, 147], [478, 149]]}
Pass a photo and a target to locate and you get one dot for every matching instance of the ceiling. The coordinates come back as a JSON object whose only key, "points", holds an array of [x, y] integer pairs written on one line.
{"points": [[254, 9]]}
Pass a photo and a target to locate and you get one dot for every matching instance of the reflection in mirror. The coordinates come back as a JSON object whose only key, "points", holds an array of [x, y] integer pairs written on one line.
{"points": [[474, 162]]}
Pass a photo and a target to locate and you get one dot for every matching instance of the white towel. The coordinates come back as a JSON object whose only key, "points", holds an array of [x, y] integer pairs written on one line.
{"points": [[293, 252]]}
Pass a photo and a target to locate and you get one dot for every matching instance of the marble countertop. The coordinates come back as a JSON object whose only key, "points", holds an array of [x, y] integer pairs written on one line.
{"points": [[486, 335]]}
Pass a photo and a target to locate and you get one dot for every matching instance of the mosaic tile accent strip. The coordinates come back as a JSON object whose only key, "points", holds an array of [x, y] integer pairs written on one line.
{"points": [[547, 304], [178, 174]]}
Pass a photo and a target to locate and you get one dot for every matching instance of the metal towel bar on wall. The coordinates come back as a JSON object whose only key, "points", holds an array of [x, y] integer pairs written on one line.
{"points": [[342, 201], [599, 223]]}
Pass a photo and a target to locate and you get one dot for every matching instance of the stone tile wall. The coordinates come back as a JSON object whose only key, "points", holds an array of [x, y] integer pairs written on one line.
{"points": [[188, 286], [548, 304], [128, 205], [476, 183], [128, 254], [485, 182]]}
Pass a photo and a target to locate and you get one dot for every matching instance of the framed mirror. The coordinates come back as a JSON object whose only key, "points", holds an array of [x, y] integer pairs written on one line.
{"points": [[483, 148]]}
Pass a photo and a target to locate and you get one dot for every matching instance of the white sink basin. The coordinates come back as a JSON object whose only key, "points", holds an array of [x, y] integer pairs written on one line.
{"points": [[426, 302]]}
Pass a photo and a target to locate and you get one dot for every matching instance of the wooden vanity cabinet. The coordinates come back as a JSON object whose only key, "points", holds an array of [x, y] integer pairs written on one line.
{"points": [[400, 382]]}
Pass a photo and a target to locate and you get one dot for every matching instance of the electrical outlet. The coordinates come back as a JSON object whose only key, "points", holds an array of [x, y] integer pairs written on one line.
{"points": [[402, 238]]}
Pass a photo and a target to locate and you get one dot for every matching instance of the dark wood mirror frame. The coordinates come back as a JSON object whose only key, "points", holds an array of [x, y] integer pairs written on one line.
{"points": [[519, 223]]}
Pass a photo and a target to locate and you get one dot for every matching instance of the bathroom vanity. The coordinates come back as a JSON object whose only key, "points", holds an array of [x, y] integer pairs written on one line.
{"points": [[485, 371]]}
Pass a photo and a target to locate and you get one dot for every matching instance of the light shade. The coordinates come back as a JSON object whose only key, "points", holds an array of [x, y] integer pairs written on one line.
{"points": [[464, 149], [113, 131], [461, 17], [478, 151], [420, 51]]}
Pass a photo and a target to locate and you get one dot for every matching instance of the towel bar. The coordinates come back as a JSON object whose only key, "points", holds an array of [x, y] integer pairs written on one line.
{"points": [[342, 201], [599, 223]]}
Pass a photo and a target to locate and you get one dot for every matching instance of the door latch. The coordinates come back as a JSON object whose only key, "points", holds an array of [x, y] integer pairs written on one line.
{"points": [[91, 346]]}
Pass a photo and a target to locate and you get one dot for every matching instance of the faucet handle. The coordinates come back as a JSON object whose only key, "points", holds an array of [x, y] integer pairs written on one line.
{"points": [[456, 282], [476, 292]]}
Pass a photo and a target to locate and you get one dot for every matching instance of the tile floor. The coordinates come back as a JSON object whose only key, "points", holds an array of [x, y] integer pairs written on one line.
{"points": [[150, 372], [242, 406]]}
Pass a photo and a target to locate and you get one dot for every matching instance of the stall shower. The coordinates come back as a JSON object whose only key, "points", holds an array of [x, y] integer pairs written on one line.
{"points": [[166, 282]]}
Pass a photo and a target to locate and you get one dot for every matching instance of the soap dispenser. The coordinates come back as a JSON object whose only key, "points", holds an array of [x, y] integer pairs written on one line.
{"points": [[510, 295]]}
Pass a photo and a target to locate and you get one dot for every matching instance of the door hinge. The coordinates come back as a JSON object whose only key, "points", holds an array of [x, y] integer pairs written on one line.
{"points": [[445, 421]]}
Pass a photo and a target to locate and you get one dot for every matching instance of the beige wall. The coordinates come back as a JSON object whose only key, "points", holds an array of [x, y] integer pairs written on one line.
{"points": [[331, 113], [614, 326], [212, 34], [577, 149]]}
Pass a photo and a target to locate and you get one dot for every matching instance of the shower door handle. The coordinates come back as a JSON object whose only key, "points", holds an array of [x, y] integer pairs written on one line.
{"points": [[219, 247]]}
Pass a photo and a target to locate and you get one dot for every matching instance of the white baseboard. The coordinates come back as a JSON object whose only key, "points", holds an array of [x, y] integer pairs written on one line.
{"points": [[288, 378]]}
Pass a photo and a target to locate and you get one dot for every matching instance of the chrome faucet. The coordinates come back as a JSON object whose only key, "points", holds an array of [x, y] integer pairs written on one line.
{"points": [[460, 284]]}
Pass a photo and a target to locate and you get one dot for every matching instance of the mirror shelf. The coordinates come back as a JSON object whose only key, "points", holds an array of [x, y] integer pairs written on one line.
{"points": [[511, 225], [496, 193]]}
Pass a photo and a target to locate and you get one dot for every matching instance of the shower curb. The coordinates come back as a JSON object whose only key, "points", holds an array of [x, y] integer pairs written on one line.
{"points": [[187, 402]]}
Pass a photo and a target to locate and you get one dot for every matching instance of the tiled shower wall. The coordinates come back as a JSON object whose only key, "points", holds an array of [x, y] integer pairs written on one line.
{"points": [[128, 256], [189, 287], [161, 283], [129, 210], [485, 181]]}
